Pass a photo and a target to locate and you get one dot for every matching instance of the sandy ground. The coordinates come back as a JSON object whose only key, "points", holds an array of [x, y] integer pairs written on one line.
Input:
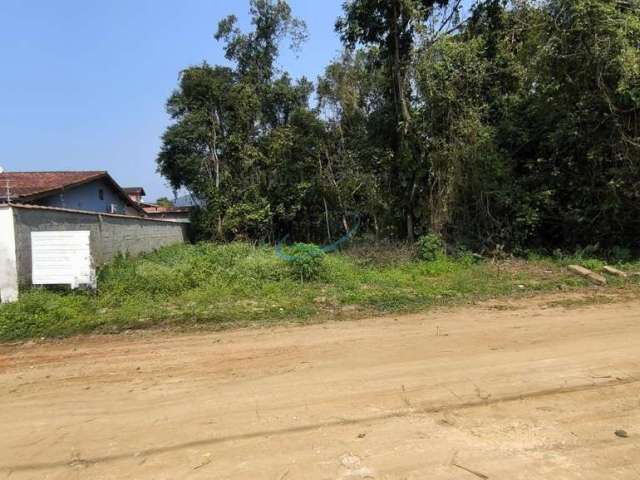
{"points": [[519, 390]]}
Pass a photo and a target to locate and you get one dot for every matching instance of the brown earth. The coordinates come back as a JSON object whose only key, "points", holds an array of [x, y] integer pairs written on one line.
{"points": [[522, 390]]}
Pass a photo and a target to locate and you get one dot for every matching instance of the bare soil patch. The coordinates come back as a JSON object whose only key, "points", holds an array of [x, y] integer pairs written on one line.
{"points": [[531, 388]]}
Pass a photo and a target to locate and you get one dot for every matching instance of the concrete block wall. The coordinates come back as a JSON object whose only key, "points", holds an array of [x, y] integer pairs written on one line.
{"points": [[110, 234]]}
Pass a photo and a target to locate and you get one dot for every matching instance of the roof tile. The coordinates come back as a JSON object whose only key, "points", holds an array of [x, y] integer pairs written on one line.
{"points": [[26, 184]]}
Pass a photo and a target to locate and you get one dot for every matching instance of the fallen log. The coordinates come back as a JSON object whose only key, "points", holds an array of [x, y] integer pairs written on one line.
{"points": [[615, 271], [590, 275]]}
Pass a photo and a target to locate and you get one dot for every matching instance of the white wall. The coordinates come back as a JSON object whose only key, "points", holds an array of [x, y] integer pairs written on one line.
{"points": [[8, 265]]}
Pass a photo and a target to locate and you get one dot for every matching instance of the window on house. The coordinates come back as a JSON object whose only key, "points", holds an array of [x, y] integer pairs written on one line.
{"points": [[101, 194]]}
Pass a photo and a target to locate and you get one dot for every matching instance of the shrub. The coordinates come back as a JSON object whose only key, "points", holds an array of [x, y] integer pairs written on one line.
{"points": [[620, 254], [592, 264], [430, 247], [306, 262]]}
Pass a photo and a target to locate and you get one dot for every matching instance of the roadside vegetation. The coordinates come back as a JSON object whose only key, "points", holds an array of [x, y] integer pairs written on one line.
{"points": [[238, 284], [510, 128]]}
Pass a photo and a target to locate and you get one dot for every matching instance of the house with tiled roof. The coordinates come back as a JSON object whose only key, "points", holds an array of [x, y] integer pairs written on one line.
{"points": [[167, 212], [135, 193], [92, 191], [174, 212], [56, 228]]}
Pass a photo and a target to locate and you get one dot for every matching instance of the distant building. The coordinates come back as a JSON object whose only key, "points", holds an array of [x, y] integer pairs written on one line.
{"points": [[182, 214], [163, 212], [135, 193], [92, 191]]}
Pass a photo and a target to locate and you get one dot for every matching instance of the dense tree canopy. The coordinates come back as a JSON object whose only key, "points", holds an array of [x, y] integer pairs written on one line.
{"points": [[515, 126]]}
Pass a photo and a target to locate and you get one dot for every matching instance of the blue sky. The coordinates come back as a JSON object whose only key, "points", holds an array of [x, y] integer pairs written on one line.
{"points": [[84, 83]]}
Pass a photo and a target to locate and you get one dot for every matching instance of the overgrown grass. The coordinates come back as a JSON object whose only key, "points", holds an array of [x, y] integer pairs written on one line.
{"points": [[238, 284]]}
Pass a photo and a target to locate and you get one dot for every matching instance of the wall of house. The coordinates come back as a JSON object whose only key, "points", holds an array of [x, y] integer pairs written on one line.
{"points": [[110, 234], [87, 197]]}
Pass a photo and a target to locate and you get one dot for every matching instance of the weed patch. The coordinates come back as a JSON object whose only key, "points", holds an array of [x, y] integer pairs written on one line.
{"points": [[238, 284]]}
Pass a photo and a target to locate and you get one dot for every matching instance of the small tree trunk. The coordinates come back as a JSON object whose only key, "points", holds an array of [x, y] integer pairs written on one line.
{"points": [[345, 224], [326, 218], [410, 234], [397, 65], [376, 228]]}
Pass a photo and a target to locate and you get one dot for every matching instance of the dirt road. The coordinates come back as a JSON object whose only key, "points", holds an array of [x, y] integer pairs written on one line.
{"points": [[504, 391]]}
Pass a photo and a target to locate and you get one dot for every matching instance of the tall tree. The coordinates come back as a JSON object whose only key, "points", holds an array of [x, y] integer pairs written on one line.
{"points": [[255, 53], [350, 168], [517, 126], [200, 150], [224, 117], [571, 120], [392, 27]]}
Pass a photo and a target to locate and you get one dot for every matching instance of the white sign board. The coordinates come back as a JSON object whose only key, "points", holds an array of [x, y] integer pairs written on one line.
{"points": [[62, 258]]}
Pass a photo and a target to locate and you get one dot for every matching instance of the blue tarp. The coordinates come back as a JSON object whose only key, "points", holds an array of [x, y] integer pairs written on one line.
{"points": [[332, 247]]}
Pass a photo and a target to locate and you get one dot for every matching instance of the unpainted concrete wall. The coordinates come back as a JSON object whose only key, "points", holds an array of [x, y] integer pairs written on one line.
{"points": [[110, 234]]}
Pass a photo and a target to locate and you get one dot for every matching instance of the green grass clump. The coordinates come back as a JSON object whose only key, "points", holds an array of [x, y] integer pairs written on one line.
{"points": [[44, 313], [240, 284], [306, 261]]}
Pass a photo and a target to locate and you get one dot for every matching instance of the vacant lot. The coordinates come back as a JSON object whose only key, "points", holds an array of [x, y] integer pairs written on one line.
{"points": [[222, 286], [527, 389]]}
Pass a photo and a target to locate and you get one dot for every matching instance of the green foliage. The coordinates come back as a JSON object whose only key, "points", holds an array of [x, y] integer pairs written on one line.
{"points": [[517, 130], [244, 140], [306, 261], [44, 313], [513, 129], [579, 167], [430, 247], [620, 254], [242, 284], [227, 285], [593, 264], [164, 202]]}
